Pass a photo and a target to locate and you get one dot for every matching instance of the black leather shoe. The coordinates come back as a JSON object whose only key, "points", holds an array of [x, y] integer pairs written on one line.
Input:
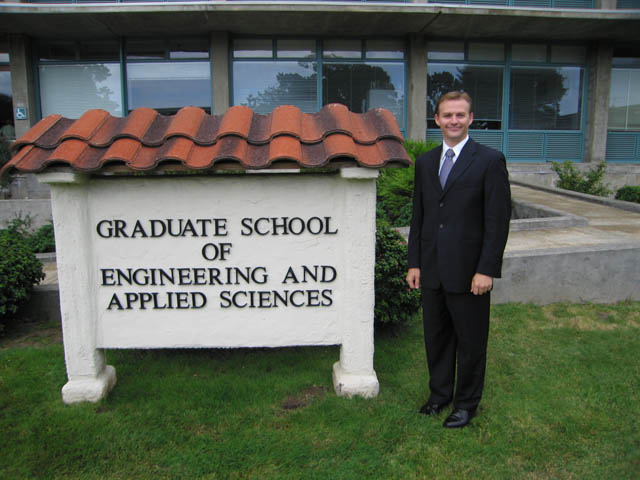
{"points": [[433, 408], [459, 418]]}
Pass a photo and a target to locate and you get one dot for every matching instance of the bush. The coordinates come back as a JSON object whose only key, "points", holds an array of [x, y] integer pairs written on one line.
{"points": [[571, 178], [395, 187], [19, 271], [629, 193], [395, 303], [42, 240]]}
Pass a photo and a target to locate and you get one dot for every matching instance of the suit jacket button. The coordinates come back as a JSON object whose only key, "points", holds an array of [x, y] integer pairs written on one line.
{"points": [[442, 204], [441, 225]]}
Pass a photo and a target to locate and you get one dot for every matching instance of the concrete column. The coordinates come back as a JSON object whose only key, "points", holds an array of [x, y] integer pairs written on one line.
{"points": [[354, 373], [22, 81], [90, 378], [598, 102], [220, 72], [416, 128]]}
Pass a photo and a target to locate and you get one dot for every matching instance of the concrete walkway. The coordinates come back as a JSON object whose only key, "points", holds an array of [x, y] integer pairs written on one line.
{"points": [[607, 225]]}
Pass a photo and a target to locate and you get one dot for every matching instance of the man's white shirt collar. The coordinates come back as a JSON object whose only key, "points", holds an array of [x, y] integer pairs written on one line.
{"points": [[456, 151]]}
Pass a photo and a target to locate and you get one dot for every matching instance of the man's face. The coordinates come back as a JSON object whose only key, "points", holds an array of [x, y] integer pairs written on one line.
{"points": [[454, 119]]}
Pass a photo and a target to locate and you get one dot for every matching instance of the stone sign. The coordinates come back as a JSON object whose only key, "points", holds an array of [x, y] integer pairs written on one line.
{"points": [[255, 260]]}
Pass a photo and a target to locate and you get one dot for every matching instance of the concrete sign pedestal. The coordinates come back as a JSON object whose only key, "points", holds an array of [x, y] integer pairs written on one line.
{"points": [[215, 261]]}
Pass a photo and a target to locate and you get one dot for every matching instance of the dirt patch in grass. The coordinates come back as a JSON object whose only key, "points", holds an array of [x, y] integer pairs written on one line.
{"points": [[304, 398]]}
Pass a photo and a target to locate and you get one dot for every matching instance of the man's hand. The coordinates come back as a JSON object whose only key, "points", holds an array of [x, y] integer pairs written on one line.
{"points": [[481, 284], [413, 278]]}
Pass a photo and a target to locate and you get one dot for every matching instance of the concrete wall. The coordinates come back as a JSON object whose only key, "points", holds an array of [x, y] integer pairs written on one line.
{"points": [[617, 175], [603, 274], [39, 211]]}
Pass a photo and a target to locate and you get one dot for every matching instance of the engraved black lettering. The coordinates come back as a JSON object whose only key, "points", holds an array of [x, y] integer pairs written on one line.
{"points": [[115, 302]]}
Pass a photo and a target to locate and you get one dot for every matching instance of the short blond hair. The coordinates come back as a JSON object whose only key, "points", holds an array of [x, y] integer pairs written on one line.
{"points": [[455, 95]]}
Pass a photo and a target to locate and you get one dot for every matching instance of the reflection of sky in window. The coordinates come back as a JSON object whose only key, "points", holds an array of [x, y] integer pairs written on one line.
{"points": [[452, 69], [112, 83], [5, 83], [570, 101], [169, 85], [255, 77], [625, 87], [70, 90], [168, 71]]}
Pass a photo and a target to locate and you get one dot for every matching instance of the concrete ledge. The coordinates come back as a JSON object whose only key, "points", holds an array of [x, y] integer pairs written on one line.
{"points": [[531, 216], [602, 274]]}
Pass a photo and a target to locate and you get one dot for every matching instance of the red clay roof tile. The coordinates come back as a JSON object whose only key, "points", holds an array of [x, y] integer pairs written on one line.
{"points": [[145, 139]]}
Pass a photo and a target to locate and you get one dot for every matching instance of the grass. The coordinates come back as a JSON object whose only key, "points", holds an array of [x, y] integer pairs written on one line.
{"points": [[561, 401]]}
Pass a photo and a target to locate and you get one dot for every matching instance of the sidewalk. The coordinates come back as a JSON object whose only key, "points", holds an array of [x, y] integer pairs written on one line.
{"points": [[607, 225]]}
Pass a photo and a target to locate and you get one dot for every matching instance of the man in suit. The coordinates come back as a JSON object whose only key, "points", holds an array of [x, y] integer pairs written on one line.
{"points": [[459, 228]]}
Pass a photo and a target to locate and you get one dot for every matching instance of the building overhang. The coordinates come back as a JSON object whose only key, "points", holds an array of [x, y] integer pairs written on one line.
{"points": [[318, 18]]}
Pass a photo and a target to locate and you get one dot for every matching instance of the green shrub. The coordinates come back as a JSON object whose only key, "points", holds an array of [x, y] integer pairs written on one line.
{"points": [[570, 178], [395, 303], [42, 240], [395, 187], [19, 271], [629, 193]]}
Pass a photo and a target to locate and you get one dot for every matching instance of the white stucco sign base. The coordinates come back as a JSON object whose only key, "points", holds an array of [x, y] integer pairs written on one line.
{"points": [[253, 260]]}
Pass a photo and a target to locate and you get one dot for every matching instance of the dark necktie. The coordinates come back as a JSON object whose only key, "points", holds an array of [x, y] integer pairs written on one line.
{"points": [[446, 167]]}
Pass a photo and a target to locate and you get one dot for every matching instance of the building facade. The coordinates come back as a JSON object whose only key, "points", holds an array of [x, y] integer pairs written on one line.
{"points": [[552, 80]]}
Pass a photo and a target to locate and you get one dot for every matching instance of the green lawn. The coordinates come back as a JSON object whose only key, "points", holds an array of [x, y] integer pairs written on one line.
{"points": [[562, 400]]}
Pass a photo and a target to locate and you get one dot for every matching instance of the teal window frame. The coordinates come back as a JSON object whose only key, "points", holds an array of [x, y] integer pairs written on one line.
{"points": [[319, 60], [623, 146], [505, 139]]}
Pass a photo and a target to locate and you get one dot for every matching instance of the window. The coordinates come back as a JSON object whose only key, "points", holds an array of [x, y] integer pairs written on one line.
{"points": [[78, 76], [541, 117], [272, 76], [481, 76], [168, 75], [6, 101], [351, 76], [545, 96], [624, 100], [361, 74]]}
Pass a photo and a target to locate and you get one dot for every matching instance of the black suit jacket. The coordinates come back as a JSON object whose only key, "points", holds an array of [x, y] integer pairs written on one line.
{"points": [[461, 229]]}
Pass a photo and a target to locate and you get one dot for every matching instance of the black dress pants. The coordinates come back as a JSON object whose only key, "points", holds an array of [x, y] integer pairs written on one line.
{"points": [[456, 330]]}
